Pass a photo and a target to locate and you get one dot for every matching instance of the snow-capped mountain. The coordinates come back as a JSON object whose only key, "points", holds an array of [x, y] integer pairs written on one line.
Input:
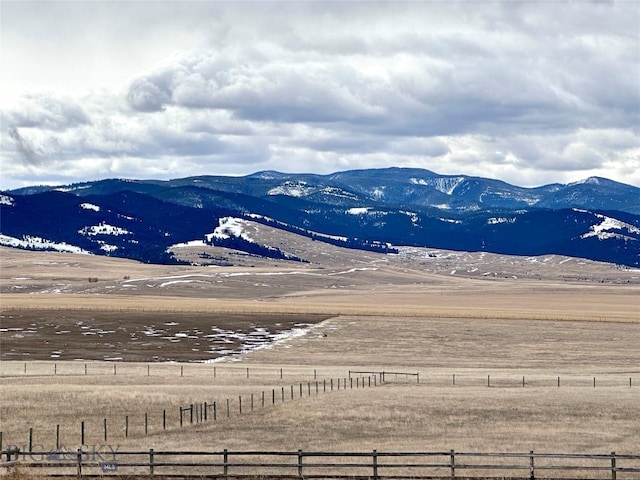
{"points": [[372, 209]]}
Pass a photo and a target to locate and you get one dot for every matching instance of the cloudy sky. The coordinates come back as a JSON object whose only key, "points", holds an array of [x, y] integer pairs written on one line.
{"points": [[527, 92]]}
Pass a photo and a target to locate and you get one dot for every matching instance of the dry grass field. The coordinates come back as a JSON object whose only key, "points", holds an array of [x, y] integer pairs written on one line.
{"points": [[571, 319]]}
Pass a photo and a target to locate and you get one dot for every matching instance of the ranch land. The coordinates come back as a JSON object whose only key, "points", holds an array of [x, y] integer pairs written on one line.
{"points": [[539, 354]]}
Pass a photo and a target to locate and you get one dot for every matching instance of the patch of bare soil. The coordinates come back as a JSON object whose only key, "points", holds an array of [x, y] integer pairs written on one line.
{"points": [[139, 336]]}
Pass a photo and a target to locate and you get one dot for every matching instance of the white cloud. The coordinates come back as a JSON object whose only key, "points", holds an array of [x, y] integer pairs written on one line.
{"points": [[530, 93]]}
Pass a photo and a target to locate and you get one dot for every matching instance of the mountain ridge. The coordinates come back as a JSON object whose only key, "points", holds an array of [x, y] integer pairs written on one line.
{"points": [[370, 209]]}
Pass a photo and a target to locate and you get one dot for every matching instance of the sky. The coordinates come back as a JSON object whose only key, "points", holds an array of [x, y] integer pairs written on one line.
{"points": [[527, 92]]}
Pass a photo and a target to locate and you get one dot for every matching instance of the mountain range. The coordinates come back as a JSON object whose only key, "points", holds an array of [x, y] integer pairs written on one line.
{"points": [[372, 209]]}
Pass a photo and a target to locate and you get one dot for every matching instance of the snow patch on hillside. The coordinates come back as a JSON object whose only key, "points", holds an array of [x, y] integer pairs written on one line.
{"points": [[192, 243], [292, 189], [90, 206], [6, 200], [230, 227], [358, 210], [412, 215], [497, 220], [108, 248], [446, 185], [37, 243], [103, 229], [378, 193], [603, 230]]}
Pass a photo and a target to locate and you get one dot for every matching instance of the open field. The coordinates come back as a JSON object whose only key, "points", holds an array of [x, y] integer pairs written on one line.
{"points": [[366, 314]]}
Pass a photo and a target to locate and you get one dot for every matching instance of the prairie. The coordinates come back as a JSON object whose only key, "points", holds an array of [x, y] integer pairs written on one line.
{"points": [[506, 342]]}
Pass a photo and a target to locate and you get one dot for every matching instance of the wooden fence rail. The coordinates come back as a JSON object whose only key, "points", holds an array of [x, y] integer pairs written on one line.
{"points": [[103, 462]]}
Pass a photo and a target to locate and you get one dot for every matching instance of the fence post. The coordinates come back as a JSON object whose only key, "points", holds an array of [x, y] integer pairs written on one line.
{"points": [[191, 413], [225, 462], [227, 407], [452, 462], [240, 404], [215, 412], [146, 423], [613, 466], [151, 462], [79, 462], [57, 436], [252, 402], [104, 424], [205, 411], [532, 475], [375, 465], [31, 439], [300, 464], [126, 426], [180, 416]]}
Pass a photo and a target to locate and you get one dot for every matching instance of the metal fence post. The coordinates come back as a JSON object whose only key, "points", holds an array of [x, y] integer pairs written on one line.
{"points": [[151, 462], [300, 464], [613, 466]]}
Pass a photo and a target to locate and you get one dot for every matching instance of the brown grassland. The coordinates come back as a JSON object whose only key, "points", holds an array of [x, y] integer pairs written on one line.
{"points": [[368, 313]]}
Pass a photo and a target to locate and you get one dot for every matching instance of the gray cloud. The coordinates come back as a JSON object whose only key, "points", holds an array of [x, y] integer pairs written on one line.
{"points": [[45, 110], [527, 92], [24, 147]]}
